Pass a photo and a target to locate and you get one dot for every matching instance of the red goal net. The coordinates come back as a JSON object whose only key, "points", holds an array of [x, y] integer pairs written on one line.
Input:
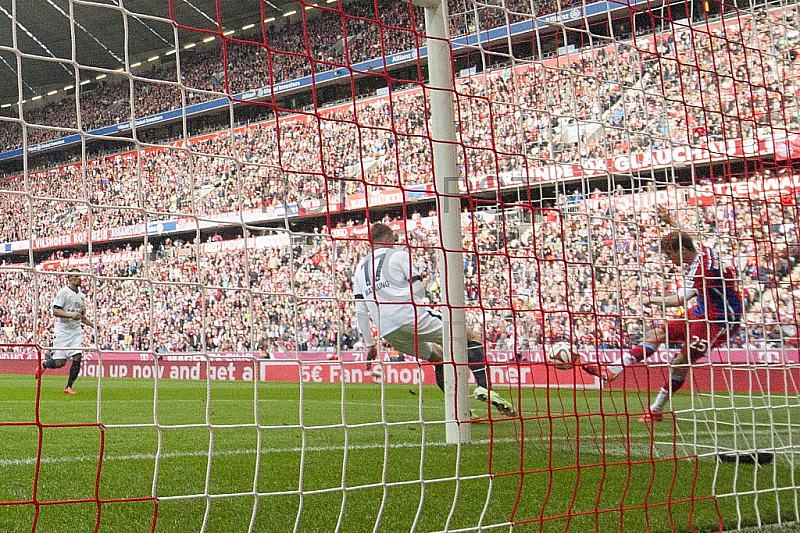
{"points": [[213, 168]]}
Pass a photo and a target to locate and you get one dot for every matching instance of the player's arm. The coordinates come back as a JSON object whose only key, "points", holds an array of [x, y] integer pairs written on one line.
{"points": [[59, 312], [365, 327], [667, 217], [360, 285], [85, 319], [672, 300]]}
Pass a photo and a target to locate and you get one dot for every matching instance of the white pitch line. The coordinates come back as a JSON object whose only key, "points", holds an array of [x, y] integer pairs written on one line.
{"points": [[637, 450], [150, 456]]}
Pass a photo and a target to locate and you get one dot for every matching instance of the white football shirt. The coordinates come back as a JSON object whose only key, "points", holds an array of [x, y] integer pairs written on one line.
{"points": [[384, 282], [71, 302]]}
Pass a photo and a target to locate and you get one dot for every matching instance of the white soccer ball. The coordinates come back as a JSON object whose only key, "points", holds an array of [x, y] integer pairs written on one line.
{"points": [[562, 355]]}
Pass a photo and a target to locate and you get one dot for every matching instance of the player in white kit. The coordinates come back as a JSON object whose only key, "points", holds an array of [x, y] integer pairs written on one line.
{"points": [[389, 291], [69, 308]]}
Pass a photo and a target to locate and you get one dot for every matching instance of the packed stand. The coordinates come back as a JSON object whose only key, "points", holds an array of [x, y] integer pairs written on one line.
{"points": [[286, 53], [316, 159], [736, 81], [598, 254]]}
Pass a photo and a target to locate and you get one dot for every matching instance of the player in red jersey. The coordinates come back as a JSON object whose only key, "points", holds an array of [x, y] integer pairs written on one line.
{"points": [[714, 315]]}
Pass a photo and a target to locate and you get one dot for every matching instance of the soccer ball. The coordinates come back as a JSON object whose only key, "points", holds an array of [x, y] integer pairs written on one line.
{"points": [[562, 355]]}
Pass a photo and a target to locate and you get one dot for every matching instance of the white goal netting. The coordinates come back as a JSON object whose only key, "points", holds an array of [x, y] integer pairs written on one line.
{"points": [[212, 169]]}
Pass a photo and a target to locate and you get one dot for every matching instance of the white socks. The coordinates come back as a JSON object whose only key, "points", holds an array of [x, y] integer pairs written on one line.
{"points": [[628, 359], [620, 364], [661, 399]]}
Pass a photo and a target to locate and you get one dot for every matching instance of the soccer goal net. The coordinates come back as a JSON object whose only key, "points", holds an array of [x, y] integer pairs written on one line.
{"points": [[205, 175]]}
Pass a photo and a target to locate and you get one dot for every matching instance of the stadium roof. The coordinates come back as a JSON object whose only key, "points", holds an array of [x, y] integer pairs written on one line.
{"points": [[44, 30]]}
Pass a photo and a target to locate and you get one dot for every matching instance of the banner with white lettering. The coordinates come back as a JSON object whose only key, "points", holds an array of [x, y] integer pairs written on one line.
{"points": [[755, 371]]}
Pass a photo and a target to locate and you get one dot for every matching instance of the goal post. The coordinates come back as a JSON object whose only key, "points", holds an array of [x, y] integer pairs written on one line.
{"points": [[446, 178]]}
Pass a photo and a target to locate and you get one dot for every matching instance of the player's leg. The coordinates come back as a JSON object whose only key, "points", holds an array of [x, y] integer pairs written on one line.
{"points": [[697, 342], [679, 369], [652, 341], [429, 335], [425, 346], [476, 357], [638, 353], [675, 331], [649, 346], [481, 392], [606, 372], [72, 344], [74, 370], [57, 360], [437, 356]]}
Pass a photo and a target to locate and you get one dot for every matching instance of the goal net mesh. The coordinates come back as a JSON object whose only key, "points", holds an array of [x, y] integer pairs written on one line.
{"points": [[212, 170]]}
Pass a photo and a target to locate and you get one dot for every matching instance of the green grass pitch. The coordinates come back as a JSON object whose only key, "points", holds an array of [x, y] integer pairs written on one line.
{"points": [[361, 458]]}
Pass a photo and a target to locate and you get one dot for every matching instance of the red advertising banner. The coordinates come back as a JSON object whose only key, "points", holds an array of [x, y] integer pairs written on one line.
{"points": [[755, 357], [524, 374], [760, 371]]}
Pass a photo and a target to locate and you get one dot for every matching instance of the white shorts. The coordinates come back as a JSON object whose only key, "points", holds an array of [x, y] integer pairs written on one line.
{"points": [[67, 344], [418, 339]]}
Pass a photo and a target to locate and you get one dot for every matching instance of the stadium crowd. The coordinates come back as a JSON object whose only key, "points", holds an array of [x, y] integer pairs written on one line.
{"points": [[598, 253], [506, 123], [736, 80], [293, 50], [575, 271]]}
